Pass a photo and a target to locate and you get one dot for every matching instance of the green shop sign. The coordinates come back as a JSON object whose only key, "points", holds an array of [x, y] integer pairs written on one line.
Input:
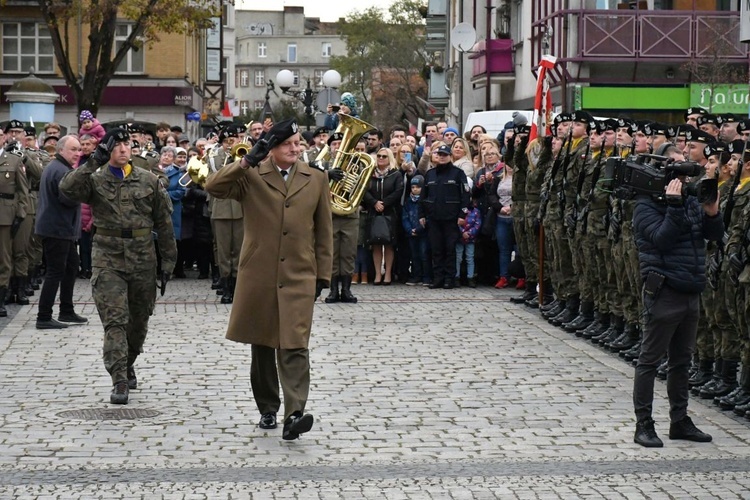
{"points": [[721, 98]]}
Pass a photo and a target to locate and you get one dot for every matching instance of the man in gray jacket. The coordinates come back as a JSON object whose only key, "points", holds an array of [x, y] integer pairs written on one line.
{"points": [[58, 224]]}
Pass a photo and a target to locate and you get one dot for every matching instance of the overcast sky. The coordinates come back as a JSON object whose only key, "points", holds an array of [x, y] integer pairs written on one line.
{"points": [[326, 10]]}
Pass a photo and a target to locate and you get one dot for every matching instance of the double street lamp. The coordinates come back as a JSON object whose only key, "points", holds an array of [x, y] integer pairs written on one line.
{"points": [[331, 81]]}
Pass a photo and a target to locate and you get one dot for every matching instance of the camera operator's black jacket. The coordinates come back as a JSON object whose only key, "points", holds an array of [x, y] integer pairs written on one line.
{"points": [[671, 241]]}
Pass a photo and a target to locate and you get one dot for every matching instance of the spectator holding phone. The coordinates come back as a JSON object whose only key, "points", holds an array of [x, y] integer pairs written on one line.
{"points": [[671, 235]]}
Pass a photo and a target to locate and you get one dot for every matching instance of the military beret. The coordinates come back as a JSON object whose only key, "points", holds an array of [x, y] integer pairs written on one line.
{"points": [[695, 110], [736, 146], [715, 148], [13, 124], [227, 133], [562, 117], [320, 131], [708, 119], [608, 124], [30, 131], [624, 122], [119, 135], [135, 144], [135, 128], [521, 129], [671, 131], [743, 126], [656, 128], [239, 127], [699, 136], [282, 131], [683, 129], [582, 117], [336, 136], [600, 126], [639, 126], [727, 118]]}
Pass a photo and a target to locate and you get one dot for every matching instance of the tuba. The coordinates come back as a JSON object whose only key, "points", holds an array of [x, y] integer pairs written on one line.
{"points": [[346, 194]]}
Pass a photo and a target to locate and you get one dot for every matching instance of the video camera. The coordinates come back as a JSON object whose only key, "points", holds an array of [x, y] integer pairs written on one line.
{"points": [[649, 175]]}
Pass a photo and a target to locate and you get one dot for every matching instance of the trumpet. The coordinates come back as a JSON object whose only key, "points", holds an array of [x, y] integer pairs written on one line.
{"points": [[196, 172]]}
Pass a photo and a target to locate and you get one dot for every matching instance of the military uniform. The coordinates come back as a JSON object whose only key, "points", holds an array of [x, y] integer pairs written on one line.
{"points": [[518, 208], [126, 212], [37, 160], [14, 201]]}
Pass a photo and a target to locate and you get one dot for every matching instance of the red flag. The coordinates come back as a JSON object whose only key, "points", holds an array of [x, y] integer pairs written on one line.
{"points": [[543, 100], [226, 111]]}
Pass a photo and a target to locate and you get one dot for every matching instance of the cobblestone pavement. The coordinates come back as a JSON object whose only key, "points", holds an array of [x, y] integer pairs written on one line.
{"points": [[417, 393]]}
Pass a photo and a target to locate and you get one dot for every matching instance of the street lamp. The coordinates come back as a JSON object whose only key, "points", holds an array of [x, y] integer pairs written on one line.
{"points": [[285, 80]]}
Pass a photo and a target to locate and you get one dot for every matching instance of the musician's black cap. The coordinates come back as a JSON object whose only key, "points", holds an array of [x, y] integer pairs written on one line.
{"points": [[336, 136], [13, 124], [282, 131]]}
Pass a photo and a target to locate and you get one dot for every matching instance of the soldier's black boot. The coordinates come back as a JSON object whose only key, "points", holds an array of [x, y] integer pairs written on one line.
{"points": [[741, 410], [12, 291], [616, 325], [21, 297], [584, 318], [222, 286], [599, 326], [529, 294], [554, 310], [727, 381], [633, 353], [549, 304], [627, 340], [333, 295], [703, 374], [346, 290], [571, 311], [741, 395], [228, 295], [3, 311], [715, 378], [29, 287]]}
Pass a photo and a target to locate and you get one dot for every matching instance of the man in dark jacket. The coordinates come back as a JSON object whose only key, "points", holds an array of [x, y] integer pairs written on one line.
{"points": [[443, 208], [670, 235], [58, 223]]}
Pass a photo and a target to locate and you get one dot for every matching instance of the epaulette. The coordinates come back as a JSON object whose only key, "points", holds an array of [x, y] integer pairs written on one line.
{"points": [[15, 152]]}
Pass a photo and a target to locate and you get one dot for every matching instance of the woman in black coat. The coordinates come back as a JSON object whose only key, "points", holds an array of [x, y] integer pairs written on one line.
{"points": [[383, 198]]}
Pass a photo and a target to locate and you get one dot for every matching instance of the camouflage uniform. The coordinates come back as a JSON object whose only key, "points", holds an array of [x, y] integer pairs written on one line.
{"points": [[538, 164], [126, 212], [557, 239], [39, 159], [518, 211]]}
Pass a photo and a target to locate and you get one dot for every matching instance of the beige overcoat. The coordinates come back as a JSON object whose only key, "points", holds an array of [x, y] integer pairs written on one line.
{"points": [[288, 245]]}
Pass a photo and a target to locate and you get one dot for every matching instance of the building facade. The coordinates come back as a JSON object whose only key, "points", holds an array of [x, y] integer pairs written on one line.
{"points": [[270, 41]]}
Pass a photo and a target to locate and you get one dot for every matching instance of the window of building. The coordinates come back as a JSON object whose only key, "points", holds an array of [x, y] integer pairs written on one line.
{"points": [[262, 49], [244, 107], [244, 78], [258, 105], [27, 45], [133, 61], [291, 53], [295, 72], [236, 78], [318, 78], [327, 49], [260, 78]]}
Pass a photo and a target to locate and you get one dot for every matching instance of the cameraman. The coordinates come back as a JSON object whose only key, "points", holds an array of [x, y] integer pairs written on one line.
{"points": [[670, 234]]}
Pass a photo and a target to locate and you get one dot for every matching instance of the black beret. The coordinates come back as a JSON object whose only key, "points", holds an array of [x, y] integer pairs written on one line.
{"points": [[639, 126], [562, 117], [736, 146], [218, 128], [699, 136], [623, 122], [228, 132], [727, 118], [522, 129], [656, 128], [714, 148], [13, 124], [239, 127], [704, 119], [30, 131], [135, 144], [319, 131], [119, 135], [694, 111], [134, 128], [683, 129], [282, 131], [672, 130], [582, 117], [743, 126], [336, 136]]}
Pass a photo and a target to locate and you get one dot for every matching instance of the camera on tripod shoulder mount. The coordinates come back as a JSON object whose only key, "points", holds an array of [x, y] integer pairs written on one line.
{"points": [[649, 175]]}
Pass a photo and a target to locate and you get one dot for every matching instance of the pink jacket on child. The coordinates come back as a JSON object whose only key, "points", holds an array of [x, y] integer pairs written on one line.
{"points": [[96, 130]]}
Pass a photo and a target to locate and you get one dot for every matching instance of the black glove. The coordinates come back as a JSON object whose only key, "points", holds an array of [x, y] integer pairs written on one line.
{"points": [[259, 152], [15, 226], [335, 174], [104, 150], [713, 263], [14, 147], [164, 279], [319, 286], [735, 264]]}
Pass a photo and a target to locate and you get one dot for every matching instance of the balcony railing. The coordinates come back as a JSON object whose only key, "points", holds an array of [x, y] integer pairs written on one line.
{"points": [[674, 36], [495, 57]]}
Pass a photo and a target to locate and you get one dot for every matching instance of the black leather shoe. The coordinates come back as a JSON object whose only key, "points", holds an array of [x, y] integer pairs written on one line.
{"points": [[686, 429], [296, 424], [267, 421], [120, 392], [645, 434], [437, 284], [742, 409], [132, 380], [632, 353], [49, 324], [72, 318]]}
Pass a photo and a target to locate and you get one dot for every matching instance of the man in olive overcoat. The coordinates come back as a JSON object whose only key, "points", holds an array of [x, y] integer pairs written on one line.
{"points": [[285, 261]]}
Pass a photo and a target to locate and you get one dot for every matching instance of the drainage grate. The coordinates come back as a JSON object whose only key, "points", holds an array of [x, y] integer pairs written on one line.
{"points": [[108, 414]]}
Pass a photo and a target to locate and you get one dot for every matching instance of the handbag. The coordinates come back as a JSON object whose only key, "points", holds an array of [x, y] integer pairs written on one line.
{"points": [[488, 224], [380, 230]]}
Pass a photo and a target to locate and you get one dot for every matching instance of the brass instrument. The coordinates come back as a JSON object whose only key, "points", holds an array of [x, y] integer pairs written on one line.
{"points": [[197, 170], [346, 194], [240, 149]]}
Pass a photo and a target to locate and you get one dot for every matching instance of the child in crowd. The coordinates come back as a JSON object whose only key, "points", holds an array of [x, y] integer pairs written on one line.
{"points": [[469, 231], [90, 125], [417, 235]]}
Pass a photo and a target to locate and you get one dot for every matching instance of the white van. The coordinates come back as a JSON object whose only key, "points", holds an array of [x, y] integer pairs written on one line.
{"points": [[494, 121]]}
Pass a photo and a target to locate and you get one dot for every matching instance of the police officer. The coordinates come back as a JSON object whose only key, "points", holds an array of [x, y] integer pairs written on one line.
{"points": [[14, 193], [128, 204], [443, 208]]}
